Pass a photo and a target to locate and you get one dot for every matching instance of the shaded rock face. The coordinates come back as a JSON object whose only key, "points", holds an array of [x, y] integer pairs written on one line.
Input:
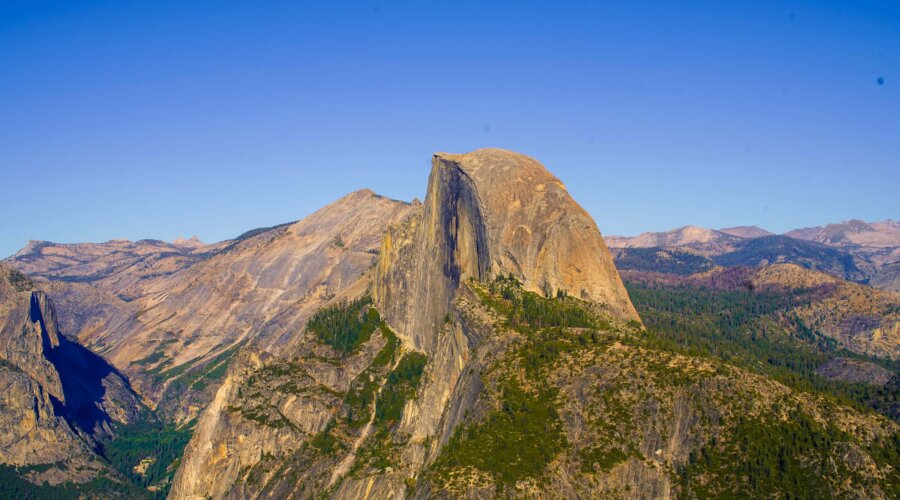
{"points": [[491, 212], [57, 398], [84, 389]]}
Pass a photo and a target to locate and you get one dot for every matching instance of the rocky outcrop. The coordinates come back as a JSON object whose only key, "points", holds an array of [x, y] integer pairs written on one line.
{"points": [[884, 234], [478, 344], [59, 400], [87, 391], [860, 318], [535, 377]]}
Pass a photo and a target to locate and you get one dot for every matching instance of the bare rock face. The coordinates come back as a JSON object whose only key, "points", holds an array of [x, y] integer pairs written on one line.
{"points": [[492, 212], [478, 344], [120, 267], [746, 231], [175, 341]]}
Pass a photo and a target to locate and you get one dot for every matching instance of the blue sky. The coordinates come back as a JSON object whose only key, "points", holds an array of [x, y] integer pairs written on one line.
{"points": [[166, 119]]}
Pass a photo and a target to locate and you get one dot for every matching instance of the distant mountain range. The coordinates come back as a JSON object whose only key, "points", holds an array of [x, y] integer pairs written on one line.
{"points": [[864, 252]]}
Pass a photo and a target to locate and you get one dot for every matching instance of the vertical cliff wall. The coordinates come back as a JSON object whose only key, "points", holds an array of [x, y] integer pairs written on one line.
{"points": [[486, 213]]}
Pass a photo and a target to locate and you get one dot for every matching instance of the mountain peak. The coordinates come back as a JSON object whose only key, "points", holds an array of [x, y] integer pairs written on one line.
{"points": [[498, 168], [365, 192], [746, 231], [852, 233], [192, 242]]}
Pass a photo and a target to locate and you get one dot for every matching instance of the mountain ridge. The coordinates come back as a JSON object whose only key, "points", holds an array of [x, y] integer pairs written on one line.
{"points": [[863, 252]]}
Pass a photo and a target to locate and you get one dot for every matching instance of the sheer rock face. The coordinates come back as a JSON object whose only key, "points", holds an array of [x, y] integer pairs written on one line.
{"points": [[86, 390], [491, 212]]}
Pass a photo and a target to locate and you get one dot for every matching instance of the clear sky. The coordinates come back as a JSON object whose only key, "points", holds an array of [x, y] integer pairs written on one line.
{"points": [[165, 119]]}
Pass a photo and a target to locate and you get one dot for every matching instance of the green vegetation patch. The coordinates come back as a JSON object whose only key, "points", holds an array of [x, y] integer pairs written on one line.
{"points": [[543, 348], [325, 441], [257, 402], [7, 365], [765, 458], [150, 359], [739, 327], [358, 400], [266, 415], [345, 326], [515, 442], [13, 485], [381, 449], [190, 375], [528, 310], [552, 327], [401, 385], [601, 457], [163, 444]]}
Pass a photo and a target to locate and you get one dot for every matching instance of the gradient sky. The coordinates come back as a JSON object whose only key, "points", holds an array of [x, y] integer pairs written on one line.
{"points": [[166, 119]]}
